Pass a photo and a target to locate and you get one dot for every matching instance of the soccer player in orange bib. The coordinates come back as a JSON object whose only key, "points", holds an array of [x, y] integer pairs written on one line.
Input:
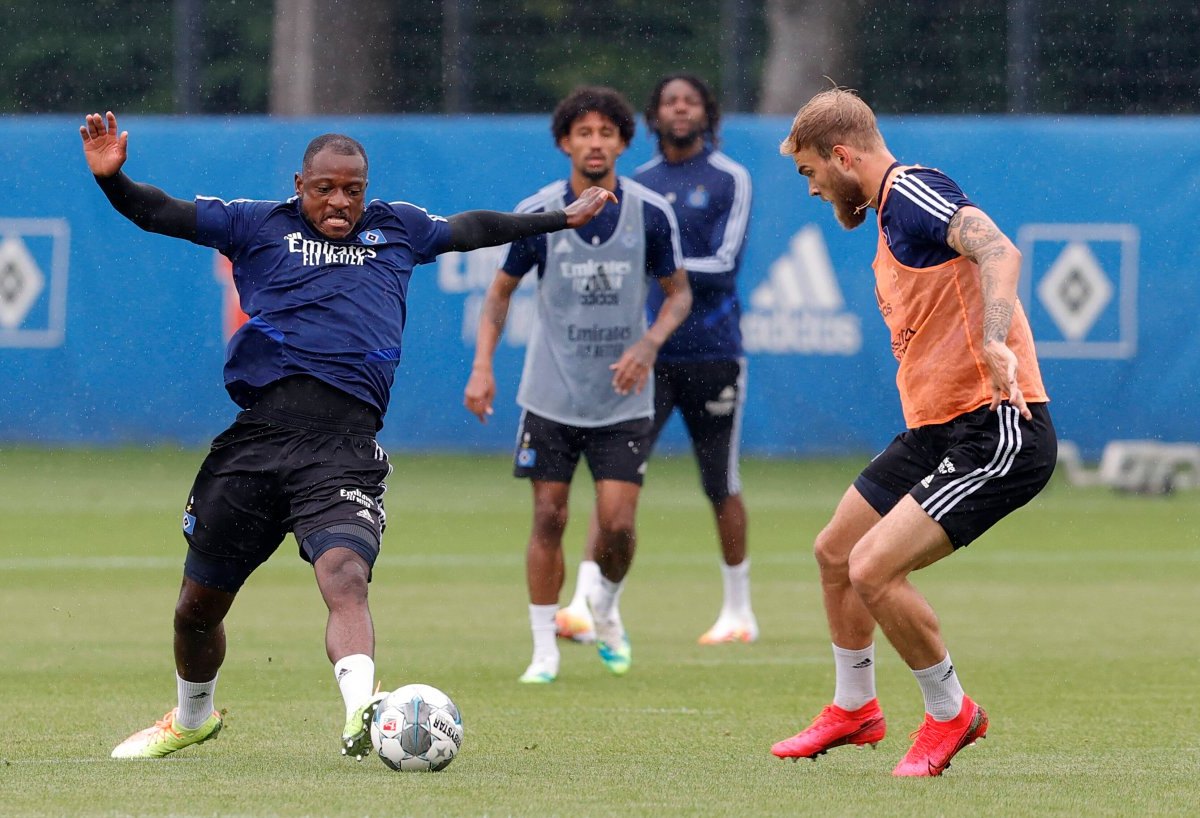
{"points": [[979, 441]]}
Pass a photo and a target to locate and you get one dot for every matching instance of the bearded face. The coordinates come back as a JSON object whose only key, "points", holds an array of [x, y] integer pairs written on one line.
{"points": [[846, 198], [833, 184], [681, 116]]}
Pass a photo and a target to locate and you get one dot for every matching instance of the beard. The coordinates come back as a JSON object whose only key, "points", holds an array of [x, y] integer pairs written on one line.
{"points": [[595, 175], [847, 207], [682, 141]]}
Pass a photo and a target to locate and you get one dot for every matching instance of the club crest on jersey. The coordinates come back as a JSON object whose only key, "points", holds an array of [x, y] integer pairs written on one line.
{"points": [[698, 198], [371, 237]]}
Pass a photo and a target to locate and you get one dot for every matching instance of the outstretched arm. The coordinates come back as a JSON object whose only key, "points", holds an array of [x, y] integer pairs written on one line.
{"points": [[481, 387], [973, 233], [633, 368], [488, 228], [146, 206]]}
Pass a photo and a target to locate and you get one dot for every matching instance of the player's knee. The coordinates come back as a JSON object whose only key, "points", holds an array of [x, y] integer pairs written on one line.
{"points": [[831, 550], [344, 566], [549, 518], [194, 616], [342, 556], [867, 575], [343, 577], [618, 532]]}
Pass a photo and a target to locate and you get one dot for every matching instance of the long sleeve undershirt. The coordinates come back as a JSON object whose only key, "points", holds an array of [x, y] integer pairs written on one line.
{"points": [[155, 211]]}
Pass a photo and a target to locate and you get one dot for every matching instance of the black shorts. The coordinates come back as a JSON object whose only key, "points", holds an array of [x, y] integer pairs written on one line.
{"points": [[547, 450], [264, 477], [710, 396], [968, 473]]}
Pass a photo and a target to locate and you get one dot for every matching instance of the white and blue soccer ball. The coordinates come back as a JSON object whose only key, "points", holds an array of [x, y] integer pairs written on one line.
{"points": [[417, 728]]}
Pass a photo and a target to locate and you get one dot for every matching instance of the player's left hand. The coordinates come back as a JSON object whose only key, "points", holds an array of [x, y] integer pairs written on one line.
{"points": [[1002, 368], [589, 203], [632, 370]]}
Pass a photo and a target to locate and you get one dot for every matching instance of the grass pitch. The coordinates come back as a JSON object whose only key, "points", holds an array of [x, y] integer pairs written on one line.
{"points": [[1074, 623]]}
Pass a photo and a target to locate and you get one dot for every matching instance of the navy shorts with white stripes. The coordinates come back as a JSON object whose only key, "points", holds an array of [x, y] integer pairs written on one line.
{"points": [[969, 473]]}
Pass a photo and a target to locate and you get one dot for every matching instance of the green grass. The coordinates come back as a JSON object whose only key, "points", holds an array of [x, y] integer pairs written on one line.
{"points": [[1075, 623]]}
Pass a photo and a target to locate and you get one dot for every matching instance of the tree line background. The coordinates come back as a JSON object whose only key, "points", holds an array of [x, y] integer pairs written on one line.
{"points": [[295, 57]]}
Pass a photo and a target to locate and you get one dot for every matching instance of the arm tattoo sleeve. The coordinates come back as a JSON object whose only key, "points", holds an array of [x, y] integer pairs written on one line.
{"points": [[977, 238], [997, 317]]}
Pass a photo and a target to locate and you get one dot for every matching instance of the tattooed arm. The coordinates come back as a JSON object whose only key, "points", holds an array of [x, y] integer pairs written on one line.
{"points": [[975, 235]]}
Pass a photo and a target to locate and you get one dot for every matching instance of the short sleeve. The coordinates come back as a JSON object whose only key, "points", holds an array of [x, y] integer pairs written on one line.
{"points": [[523, 255], [923, 201], [916, 216], [428, 234], [663, 253], [228, 226]]}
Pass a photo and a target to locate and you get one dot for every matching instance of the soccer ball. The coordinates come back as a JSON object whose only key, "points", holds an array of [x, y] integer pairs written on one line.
{"points": [[417, 727]]}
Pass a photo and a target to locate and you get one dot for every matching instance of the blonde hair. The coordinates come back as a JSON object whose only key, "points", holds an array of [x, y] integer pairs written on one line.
{"points": [[834, 117]]}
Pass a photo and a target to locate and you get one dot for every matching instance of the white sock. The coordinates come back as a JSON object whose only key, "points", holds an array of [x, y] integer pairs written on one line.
{"points": [[541, 625], [855, 677], [604, 598], [355, 676], [942, 690], [585, 580], [195, 702], [736, 579]]}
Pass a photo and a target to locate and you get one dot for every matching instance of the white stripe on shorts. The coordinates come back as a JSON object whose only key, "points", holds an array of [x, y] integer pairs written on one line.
{"points": [[734, 482], [949, 495]]}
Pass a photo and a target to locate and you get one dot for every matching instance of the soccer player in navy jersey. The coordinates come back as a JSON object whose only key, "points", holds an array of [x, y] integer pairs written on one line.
{"points": [[584, 387], [979, 441], [701, 369], [324, 278]]}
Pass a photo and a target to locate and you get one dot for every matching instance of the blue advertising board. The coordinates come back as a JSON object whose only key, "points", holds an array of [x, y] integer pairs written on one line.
{"points": [[110, 335]]}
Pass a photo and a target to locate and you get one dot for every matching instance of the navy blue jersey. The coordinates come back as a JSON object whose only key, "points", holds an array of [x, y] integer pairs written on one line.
{"points": [[917, 214], [662, 250], [710, 194], [334, 310]]}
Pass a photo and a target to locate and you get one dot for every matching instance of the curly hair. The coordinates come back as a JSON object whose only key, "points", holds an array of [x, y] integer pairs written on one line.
{"points": [[588, 98]]}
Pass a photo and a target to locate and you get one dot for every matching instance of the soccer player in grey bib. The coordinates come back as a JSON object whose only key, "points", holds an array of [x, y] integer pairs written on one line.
{"points": [[701, 370], [586, 388]]}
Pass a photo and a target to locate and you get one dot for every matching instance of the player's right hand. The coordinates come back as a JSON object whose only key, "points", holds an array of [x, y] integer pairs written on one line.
{"points": [[1002, 367], [589, 203], [480, 391], [103, 147]]}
